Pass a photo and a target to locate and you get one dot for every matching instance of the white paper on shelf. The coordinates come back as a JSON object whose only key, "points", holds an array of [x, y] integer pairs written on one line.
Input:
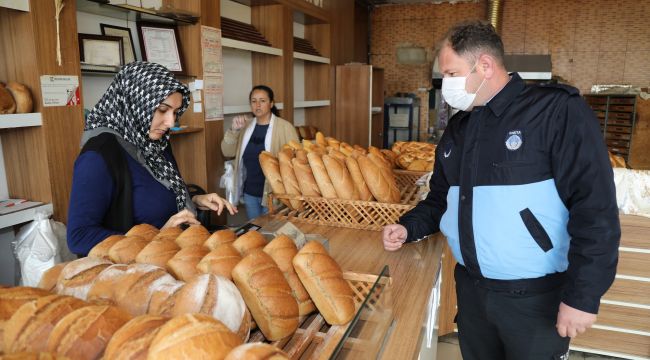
{"points": [[198, 84], [196, 96], [198, 107]]}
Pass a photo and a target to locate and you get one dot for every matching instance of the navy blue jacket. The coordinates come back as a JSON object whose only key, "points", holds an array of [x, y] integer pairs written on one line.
{"points": [[522, 188]]}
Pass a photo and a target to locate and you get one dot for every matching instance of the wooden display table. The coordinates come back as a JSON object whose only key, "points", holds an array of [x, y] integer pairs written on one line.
{"points": [[413, 270]]}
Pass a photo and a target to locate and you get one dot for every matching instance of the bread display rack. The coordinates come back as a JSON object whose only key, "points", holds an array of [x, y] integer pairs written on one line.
{"points": [[356, 214]]}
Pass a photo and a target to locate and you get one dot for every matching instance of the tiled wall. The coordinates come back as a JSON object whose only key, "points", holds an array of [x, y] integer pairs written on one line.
{"points": [[590, 41]]}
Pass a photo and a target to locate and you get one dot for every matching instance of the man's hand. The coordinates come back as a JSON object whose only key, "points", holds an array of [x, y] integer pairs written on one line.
{"points": [[571, 322], [394, 236]]}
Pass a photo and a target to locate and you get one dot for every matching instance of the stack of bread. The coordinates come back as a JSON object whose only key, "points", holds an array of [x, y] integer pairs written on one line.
{"points": [[331, 169], [15, 98], [274, 281], [414, 155]]}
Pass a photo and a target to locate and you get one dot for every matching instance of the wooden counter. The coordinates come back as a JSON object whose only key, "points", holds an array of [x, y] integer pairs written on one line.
{"points": [[413, 270]]}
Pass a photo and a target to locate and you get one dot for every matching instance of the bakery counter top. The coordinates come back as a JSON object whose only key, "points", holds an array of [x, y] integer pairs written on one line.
{"points": [[413, 270]]}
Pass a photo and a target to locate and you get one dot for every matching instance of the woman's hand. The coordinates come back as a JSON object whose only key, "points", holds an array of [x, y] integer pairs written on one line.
{"points": [[182, 217], [213, 202], [238, 122]]}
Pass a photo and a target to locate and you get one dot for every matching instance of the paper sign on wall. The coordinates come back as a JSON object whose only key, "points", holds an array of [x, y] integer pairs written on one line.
{"points": [[60, 90]]}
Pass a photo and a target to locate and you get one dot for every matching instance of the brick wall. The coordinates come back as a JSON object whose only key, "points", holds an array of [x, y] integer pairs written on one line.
{"points": [[590, 41]]}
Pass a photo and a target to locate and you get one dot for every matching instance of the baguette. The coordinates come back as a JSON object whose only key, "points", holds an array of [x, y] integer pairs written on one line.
{"points": [[341, 178], [307, 183], [183, 265], [271, 169], [132, 340], [51, 276], [382, 163], [249, 242], [77, 276], [267, 294], [157, 253], [320, 175], [336, 155], [359, 183], [220, 237], [220, 261], [257, 351], [101, 250], [320, 139], [289, 178], [194, 235], [145, 231], [125, 250], [323, 279], [383, 188], [193, 336]]}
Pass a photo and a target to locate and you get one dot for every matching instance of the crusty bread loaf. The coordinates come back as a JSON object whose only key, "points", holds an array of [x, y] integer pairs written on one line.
{"points": [[360, 149], [267, 294], [30, 326], [293, 144], [145, 231], [382, 163], [157, 253], [359, 183], [307, 183], [390, 156], [220, 237], [249, 242], [183, 265], [419, 165], [168, 233], [271, 169], [220, 261], [84, 333], [7, 102], [289, 177], [51, 276], [217, 297], [257, 351], [332, 142], [194, 235], [102, 291], [383, 188], [31, 356], [163, 298], [22, 96], [341, 178], [132, 341], [193, 336], [126, 250], [320, 175], [323, 279], [101, 250], [13, 298], [282, 250], [346, 149], [320, 139], [136, 286], [77, 276], [336, 155], [301, 155]]}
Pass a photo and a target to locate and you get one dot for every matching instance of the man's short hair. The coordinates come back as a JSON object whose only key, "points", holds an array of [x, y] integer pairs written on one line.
{"points": [[470, 39]]}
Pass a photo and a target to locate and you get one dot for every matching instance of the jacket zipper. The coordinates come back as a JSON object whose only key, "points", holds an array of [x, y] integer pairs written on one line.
{"points": [[508, 164]]}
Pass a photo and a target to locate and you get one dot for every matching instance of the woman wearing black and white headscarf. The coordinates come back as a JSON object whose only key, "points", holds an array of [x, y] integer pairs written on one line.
{"points": [[126, 173]]}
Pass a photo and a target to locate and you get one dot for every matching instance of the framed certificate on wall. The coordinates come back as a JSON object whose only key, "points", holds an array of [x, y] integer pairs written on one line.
{"points": [[159, 44]]}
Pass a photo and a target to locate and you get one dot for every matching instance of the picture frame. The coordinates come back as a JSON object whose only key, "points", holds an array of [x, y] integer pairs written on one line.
{"points": [[101, 50], [160, 44], [127, 40]]}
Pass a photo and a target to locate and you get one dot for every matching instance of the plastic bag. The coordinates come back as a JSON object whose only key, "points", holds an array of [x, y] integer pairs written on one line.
{"points": [[228, 182], [39, 246]]}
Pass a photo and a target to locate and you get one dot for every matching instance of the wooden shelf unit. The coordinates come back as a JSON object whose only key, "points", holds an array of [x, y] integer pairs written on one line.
{"points": [[12, 121]]}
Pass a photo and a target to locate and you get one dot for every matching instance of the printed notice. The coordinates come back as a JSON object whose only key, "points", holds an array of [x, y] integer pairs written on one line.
{"points": [[60, 90], [211, 50], [213, 97]]}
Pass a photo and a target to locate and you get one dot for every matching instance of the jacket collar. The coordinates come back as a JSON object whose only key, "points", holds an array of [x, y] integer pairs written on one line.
{"points": [[503, 98]]}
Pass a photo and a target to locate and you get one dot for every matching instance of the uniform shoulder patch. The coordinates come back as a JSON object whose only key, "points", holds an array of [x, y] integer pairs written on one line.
{"points": [[568, 88]]}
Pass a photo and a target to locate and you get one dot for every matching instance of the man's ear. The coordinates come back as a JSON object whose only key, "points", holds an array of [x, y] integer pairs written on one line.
{"points": [[487, 65]]}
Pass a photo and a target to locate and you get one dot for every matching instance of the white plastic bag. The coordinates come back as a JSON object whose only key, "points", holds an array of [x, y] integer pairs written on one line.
{"points": [[228, 182], [39, 246]]}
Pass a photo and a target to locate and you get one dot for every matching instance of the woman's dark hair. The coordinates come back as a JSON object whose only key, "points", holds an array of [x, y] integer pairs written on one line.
{"points": [[268, 92]]}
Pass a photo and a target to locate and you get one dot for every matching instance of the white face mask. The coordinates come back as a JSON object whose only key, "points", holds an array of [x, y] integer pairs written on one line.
{"points": [[454, 93]]}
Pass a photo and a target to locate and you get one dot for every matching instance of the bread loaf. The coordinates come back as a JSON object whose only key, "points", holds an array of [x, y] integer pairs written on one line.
{"points": [[78, 276], [84, 333], [30, 326], [333, 142], [323, 279], [293, 144], [360, 149], [132, 341], [31, 356], [301, 155], [307, 183], [102, 291], [145, 231], [320, 175], [157, 253], [126, 250], [193, 336], [7, 102], [101, 250], [341, 178], [136, 286], [183, 265], [289, 178], [163, 298], [249, 242], [419, 165], [195, 235], [220, 237], [282, 250], [267, 294], [51, 276], [390, 156], [382, 163], [217, 297], [357, 178], [257, 351], [220, 261], [320, 139], [168, 233], [13, 298], [336, 155], [346, 149], [22, 96], [271, 169], [383, 188]]}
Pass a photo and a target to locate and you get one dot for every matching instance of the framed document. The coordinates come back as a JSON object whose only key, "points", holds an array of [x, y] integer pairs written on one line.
{"points": [[159, 44], [127, 40], [101, 50]]}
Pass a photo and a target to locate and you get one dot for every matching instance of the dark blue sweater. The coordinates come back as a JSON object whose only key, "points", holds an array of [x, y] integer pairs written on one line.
{"points": [[92, 192]]}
